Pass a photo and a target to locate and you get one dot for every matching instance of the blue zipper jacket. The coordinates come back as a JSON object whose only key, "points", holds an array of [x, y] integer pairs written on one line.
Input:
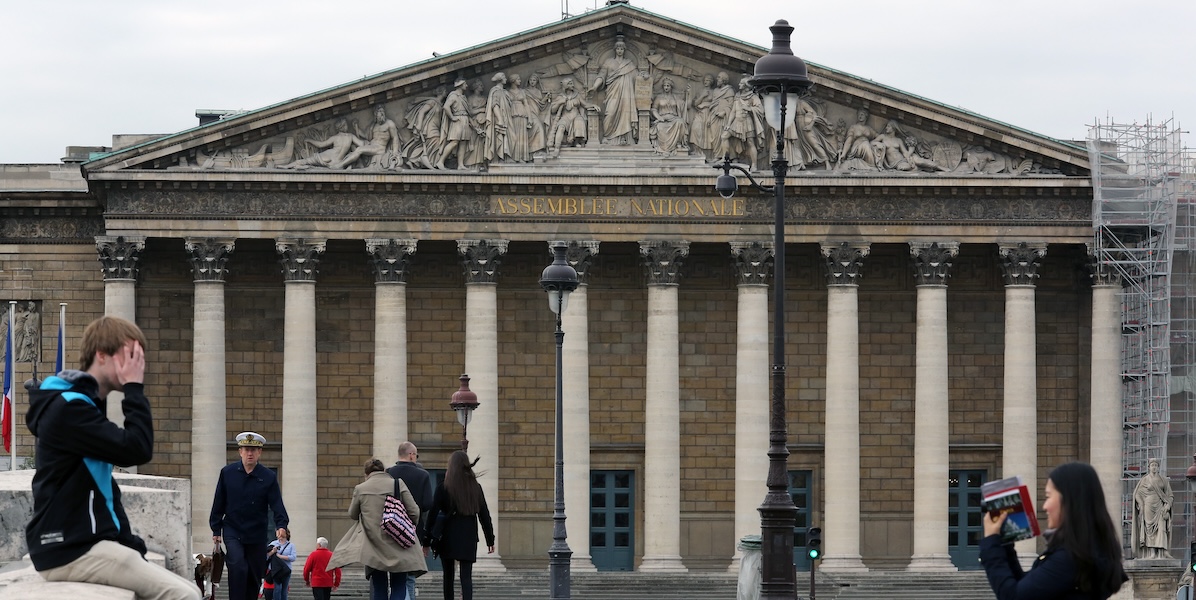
{"points": [[76, 501]]}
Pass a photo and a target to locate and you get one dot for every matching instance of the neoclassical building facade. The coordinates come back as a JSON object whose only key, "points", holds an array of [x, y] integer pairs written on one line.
{"points": [[323, 270]]}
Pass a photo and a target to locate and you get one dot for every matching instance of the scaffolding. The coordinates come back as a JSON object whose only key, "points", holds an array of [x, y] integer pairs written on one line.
{"points": [[1144, 230]]}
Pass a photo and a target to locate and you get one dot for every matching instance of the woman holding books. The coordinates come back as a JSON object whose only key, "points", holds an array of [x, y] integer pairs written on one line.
{"points": [[1082, 560]]}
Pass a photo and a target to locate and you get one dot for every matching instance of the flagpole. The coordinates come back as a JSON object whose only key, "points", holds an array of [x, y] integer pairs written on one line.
{"points": [[60, 359], [11, 365]]}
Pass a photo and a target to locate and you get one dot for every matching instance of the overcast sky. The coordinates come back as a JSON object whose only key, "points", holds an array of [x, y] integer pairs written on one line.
{"points": [[74, 72]]}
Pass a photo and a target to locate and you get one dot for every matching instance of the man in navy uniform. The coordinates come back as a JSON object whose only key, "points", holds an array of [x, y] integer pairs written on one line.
{"points": [[244, 492]]}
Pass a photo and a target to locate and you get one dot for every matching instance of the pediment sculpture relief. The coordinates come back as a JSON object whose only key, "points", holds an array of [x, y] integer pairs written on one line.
{"points": [[612, 93]]}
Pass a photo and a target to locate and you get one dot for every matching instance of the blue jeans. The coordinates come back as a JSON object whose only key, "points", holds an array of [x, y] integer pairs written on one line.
{"points": [[411, 587], [388, 586], [281, 590]]}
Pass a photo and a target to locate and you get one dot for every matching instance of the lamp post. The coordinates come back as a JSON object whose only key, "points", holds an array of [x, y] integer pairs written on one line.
{"points": [[559, 279], [464, 402], [780, 79]]}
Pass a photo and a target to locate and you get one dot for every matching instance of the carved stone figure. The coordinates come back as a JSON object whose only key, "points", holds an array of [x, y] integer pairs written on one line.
{"points": [[568, 118], [523, 121], [475, 154], [460, 129], [498, 120], [425, 120], [670, 131], [722, 97], [743, 133], [699, 120], [332, 150], [814, 136], [28, 333], [978, 159], [537, 101], [382, 148], [617, 77], [1152, 515], [856, 153]]}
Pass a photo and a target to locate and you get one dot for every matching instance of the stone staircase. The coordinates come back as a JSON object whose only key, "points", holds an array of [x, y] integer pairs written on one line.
{"points": [[527, 585]]}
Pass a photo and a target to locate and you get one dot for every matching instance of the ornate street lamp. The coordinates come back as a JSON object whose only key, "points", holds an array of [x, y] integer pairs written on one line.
{"points": [[559, 279], [780, 79], [464, 402]]}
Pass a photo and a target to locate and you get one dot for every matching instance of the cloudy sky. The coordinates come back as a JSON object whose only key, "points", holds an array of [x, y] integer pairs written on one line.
{"points": [[77, 71]]}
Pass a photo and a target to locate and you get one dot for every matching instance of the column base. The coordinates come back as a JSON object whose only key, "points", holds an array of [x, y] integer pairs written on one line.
{"points": [[931, 563], [735, 560], [489, 563], [843, 564], [582, 564], [662, 564]]}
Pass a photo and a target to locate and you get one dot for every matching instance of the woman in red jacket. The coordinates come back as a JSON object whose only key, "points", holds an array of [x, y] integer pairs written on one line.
{"points": [[322, 582]]}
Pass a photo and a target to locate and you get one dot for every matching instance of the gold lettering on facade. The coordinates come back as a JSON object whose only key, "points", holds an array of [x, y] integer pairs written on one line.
{"points": [[618, 207]]}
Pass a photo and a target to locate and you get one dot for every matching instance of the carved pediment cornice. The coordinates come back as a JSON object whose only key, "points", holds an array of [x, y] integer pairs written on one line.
{"points": [[370, 129]]}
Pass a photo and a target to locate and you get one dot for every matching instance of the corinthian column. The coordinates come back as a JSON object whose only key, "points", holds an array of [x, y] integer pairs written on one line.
{"points": [[300, 261], [842, 510], [208, 402], [389, 259], [662, 428], [118, 259], [575, 360], [1105, 415], [753, 262], [1020, 429], [481, 259], [932, 450]]}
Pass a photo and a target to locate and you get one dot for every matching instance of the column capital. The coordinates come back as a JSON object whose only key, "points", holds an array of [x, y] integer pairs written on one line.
{"points": [[932, 261], [1020, 262], [579, 254], [481, 259], [662, 260], [753, 262], [389, 257], [844, 261], [208, 257], [119, 255], [1102, 275], [300, 258]]}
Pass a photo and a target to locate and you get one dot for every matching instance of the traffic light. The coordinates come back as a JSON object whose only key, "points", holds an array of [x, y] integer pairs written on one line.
{"points": [[814, 543]]}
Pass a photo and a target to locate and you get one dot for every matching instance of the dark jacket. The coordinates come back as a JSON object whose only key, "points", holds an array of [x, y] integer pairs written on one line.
{"points": [[460, 541], [1052, 577], [239, 507], [76, 501], [419, 483]]}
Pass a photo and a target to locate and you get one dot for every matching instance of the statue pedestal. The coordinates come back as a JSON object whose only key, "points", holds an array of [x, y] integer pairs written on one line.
{"points": [[1152, 578]]}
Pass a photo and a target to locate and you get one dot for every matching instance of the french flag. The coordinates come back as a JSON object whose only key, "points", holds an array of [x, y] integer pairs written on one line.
{"points": [[6, 407]]}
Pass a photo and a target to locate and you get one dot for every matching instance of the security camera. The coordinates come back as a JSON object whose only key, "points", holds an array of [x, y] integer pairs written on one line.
{"points": [[726, 185]]}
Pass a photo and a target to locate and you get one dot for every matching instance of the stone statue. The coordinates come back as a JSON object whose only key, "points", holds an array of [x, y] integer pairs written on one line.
{"points": [[857, 153], [382, 147], [743, 132], [498, 120], [722, 99], [523, 122], [699, 120], [568, 111], [459, 128], [28, 333], [814, 135], [670, 131], [536, 101], [617, 77], [1152, 515], [332, 150], [425, 120]]}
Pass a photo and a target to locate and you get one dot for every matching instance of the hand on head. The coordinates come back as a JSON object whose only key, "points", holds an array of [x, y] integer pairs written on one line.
{"points": [[130, 363]]}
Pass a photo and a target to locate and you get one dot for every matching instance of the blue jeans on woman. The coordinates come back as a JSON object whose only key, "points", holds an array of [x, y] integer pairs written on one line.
{"points": [[388, 586], [281, 590]]}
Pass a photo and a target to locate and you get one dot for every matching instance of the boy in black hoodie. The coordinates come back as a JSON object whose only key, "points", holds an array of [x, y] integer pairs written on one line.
{"points": [[79, 530]]}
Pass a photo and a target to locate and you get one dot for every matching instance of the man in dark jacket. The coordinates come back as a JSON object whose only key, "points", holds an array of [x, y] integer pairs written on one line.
{"points": [[244, 492], [79, 531], [419, 482]]}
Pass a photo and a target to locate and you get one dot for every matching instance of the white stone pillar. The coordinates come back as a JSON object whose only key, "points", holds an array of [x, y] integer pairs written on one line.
{"points": [[209, 430], [299, 444], [1020, 426], [118, 258], [575, 362], [481, 258], [932, 451], [662, 427], [752, 261], [389, 259], [1105, 414], [842, 473]]}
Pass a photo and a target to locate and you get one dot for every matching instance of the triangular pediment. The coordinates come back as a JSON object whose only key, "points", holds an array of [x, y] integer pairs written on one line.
{"points": [[616, 86]]}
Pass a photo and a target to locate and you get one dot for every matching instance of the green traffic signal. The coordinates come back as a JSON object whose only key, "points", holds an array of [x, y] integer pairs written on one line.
{"points": [[814, 543]]}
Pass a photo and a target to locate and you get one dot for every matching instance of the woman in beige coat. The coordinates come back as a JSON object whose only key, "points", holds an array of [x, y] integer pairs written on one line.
{"points": [[386, 563]]}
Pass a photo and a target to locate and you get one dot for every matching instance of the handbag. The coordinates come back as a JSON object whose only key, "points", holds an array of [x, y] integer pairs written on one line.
{"points": [[280, 570], [396, 522]]}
